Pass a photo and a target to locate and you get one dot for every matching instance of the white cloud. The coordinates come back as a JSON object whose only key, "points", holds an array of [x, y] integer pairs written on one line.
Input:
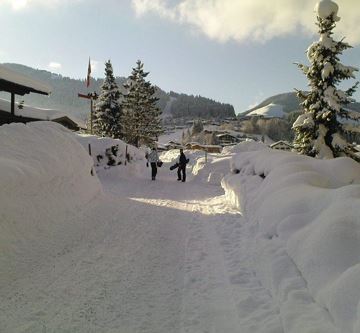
{"points": [[258, 20], [18, 5], [54, 65]]}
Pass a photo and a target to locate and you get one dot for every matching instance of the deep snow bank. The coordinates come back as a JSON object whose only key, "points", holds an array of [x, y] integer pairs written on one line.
{"points": [[45, 185], [304, 230], [114, 157]]}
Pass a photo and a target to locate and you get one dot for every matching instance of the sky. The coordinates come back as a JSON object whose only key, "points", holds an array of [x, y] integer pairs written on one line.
{"points": [[233, 51]]}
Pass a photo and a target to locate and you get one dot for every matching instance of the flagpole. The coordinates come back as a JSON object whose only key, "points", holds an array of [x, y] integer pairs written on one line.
{"points": [[92, 96]]}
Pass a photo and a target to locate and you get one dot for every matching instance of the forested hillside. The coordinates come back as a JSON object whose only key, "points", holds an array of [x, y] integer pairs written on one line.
{"points": [[65, 97]]}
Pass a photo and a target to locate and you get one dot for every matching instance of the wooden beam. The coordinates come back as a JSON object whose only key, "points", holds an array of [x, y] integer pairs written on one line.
{"points": [[12, 87], [84, 96]]}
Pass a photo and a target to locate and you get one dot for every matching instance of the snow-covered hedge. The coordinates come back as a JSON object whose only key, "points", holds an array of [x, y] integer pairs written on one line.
{"points": [[304, 222], [45, 181], [107, 152]]}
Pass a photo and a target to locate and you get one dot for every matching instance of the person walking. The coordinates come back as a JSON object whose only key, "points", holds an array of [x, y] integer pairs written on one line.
{"points": [[153, 158], [182, 166]]}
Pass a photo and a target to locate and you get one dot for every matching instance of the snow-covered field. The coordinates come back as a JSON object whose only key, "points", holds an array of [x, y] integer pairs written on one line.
{"points": [[274, 248], [269, 111]]}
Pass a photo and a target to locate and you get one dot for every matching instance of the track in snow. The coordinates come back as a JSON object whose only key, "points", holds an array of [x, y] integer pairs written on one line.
{"points": [[162, 257]]}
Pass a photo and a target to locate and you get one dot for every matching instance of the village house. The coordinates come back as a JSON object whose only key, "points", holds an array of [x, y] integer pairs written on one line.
{"points": [[11, 112], [225, 139], [281, 145]]}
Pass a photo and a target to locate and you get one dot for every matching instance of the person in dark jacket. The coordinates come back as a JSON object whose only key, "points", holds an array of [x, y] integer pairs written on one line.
{"points": [[182, 166]]}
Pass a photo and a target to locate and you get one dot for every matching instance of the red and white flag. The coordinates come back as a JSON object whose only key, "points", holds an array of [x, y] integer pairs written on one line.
{"points": [[88, 74]]}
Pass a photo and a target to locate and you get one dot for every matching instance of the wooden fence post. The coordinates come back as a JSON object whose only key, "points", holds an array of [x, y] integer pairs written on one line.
{"points": [[91, 171]]}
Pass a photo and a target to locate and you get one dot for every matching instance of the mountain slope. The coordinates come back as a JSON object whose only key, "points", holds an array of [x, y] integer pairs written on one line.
{"points": [[65, 97], [290, 103]]}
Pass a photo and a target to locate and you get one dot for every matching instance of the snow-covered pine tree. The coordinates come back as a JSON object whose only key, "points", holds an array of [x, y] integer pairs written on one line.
{"points": [[319, 130], [197, 127], [107, 114], [141, 116], [183, 138]]}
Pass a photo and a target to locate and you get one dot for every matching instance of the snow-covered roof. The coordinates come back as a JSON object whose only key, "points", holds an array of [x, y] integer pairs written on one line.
{"points": [[225, 134], [38, 113], [269, 111], [281, 143], [26, 82]]}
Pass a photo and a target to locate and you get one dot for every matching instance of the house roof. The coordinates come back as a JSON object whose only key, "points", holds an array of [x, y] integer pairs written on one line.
{"points": [[225, 134], [281, 142], [20, 84], [40, 114]]}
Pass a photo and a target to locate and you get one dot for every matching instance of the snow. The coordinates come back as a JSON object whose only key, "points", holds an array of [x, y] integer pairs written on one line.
{"points": [[323, 151], [256, 240], [327, 70], [347, 70], [326, 8], [304, 222], [102, 146], [304, 120], [15, 77], [269, 111], [327, 42], [174, 136], [37, 221]]}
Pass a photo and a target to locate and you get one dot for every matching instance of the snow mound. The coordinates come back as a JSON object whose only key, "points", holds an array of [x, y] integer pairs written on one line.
{"points": [[46, 181], [108, 153], [213, 170], [304, 219], [326, 8], [269, 111], [244, 146]]}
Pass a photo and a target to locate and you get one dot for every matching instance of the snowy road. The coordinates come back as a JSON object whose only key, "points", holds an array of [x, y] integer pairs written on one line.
{"points": [[160, 257]]}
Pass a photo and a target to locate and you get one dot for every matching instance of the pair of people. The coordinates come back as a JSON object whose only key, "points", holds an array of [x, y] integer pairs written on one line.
{"points": [[153, 159]]}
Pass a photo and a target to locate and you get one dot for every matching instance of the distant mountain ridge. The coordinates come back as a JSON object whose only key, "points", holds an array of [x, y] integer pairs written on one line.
{"points": [[65, 97], [289, 102]]}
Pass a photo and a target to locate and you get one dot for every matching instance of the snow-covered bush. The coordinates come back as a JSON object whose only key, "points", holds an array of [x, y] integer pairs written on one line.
{"points": [[108, 152]]}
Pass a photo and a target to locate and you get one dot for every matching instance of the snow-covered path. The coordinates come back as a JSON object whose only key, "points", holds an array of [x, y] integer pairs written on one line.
{"points": [[160, 257]]}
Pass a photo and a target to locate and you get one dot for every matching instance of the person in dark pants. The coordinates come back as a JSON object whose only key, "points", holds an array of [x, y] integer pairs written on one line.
{"points": [[153, 158], [182, 166]]}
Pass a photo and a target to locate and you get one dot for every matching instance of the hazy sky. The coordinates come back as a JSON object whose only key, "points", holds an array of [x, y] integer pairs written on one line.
{"points": [[233, 51]]}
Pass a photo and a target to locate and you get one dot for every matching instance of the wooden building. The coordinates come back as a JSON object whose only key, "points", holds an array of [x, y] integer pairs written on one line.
{"points": [[227, 139], [17, 84], [282, 145]]}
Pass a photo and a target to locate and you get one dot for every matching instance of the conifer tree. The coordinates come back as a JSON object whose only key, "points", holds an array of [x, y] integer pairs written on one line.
{"points": [[141, 116], [107, 115], [318, 131], [197, 127], [183, 138]]}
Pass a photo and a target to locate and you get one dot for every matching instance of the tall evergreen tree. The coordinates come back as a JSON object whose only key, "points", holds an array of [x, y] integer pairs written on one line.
{"points": [[197, 127], [141, 116], [318, 131], [107, 115]]}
